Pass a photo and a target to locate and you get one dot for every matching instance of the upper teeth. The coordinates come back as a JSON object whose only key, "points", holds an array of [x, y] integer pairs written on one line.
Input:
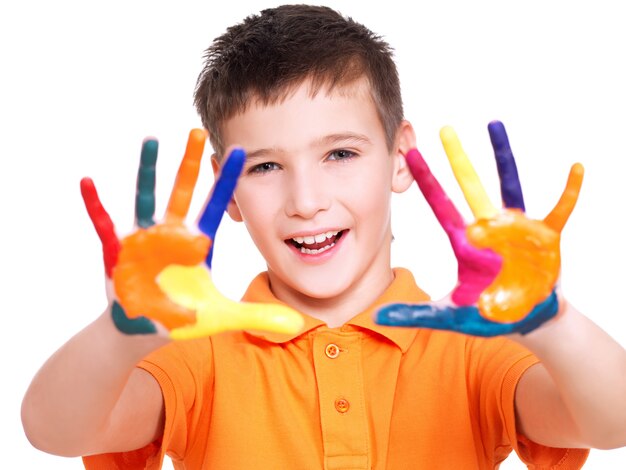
{"points": [[310, 240]]}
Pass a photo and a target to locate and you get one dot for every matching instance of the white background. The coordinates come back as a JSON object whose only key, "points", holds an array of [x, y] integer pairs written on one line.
{"points": [[82, 83]]}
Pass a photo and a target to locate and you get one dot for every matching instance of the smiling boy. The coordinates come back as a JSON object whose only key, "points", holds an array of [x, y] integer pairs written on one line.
{"points": [[319, 166], [314, 99]]}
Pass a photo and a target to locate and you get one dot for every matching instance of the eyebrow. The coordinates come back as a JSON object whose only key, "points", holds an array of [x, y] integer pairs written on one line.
{"points": [[344, 138]]}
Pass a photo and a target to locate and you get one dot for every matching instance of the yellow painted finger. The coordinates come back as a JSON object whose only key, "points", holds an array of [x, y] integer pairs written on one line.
{"points": [[466, 176], [193, 288], [186, 178], [557, 218]]}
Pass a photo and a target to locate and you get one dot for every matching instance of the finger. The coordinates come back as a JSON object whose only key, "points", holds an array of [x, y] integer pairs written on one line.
{"points": [[186, 178], [466, 320], [146, 179], [466, 176], [102, 223], [241, 316], [443, 208], [563, 209], [510, 187], [193, 288], [221, 195]]}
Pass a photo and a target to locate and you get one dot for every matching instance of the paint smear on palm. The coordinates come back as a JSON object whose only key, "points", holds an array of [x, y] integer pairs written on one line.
{"points": [[530, 263]]}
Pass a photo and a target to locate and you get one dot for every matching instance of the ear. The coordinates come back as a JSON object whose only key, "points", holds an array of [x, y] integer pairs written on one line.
{"points": [[232, 209], [405, 140]]}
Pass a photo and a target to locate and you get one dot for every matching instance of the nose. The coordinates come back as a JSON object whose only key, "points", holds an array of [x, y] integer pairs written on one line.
{"points": [[307, 193]]}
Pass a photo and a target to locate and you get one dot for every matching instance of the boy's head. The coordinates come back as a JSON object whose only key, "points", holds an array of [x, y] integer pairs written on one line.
{"points": [[268, 55]]}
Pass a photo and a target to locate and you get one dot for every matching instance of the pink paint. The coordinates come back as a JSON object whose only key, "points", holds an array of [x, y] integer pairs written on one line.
{"points": [[477, 268]]}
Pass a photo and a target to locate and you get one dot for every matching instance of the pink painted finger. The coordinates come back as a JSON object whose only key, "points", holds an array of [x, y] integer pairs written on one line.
{"points": [[446, 213], [102, 223]]}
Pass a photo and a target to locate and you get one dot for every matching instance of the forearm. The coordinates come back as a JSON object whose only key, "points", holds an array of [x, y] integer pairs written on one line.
{"points": [[70, 401], [588, 371]]}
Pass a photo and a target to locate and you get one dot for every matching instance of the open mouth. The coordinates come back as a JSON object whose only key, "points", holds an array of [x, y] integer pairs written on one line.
{"points": [[316, 244]]}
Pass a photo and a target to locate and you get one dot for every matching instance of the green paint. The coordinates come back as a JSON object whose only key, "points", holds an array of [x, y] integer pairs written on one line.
{"points": [[146, 181], [131, 326]]}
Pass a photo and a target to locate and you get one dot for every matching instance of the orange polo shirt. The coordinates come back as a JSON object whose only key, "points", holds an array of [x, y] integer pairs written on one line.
{"points": [[361, 396]]}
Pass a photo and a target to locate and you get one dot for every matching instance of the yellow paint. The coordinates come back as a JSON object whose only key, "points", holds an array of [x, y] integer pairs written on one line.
{"points": [[466, 176], [193, 288]]}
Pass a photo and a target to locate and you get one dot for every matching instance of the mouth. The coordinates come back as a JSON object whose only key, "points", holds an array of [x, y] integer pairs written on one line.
{"points": [[316, 244]]}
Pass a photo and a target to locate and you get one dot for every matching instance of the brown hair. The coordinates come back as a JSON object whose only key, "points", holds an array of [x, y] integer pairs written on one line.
{"points": [[268, 54]]}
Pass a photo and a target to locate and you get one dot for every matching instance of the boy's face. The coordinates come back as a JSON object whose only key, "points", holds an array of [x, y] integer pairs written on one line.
{"points": [[315, 192]]}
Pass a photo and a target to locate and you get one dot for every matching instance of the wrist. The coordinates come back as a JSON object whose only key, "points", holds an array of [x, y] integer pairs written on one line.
{"points": [[551, 333], [133, 346]]}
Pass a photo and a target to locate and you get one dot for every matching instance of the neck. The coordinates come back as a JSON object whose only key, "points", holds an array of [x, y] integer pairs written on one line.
{"points": [[337, 310]]}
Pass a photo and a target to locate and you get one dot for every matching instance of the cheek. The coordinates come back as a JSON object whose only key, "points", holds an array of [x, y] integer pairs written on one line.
{"points": [[371, 194]]}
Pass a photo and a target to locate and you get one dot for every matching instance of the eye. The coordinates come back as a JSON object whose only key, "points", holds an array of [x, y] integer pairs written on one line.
{"points": [[264, 167], [341, 154]]}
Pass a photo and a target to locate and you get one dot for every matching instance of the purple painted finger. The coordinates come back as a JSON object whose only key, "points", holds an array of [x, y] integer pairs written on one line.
{"points": [[510, 187]]}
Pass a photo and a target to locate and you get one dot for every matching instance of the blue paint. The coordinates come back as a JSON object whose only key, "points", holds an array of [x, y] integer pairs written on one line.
{"points": [[222, 194], [465, 320]]}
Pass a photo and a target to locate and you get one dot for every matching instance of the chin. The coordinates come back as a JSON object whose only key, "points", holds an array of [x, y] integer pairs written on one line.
{"points": [[321, 287]]}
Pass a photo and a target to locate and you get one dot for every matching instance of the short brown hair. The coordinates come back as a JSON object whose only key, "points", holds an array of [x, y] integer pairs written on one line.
{"points": [[268, 54]]}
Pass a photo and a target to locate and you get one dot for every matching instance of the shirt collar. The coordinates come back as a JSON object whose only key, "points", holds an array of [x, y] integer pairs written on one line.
{"points": [[402, 289]]}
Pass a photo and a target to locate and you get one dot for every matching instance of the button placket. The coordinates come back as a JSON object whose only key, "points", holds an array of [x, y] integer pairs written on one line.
{"points": [[339, 374]]}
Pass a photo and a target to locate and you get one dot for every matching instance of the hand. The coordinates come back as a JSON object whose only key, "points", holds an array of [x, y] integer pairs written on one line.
{"points": [[147, 267], [508, 264]]}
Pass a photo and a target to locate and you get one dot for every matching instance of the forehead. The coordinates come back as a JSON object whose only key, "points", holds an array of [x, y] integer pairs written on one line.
{"points": [[305, 115]]}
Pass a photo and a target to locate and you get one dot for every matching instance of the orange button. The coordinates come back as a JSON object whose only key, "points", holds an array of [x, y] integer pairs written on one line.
{"points": [[342, 405], [332, 351]]}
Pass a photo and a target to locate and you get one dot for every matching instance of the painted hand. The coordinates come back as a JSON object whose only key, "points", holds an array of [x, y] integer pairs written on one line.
{"points": [[508, 264], [160, 273]]}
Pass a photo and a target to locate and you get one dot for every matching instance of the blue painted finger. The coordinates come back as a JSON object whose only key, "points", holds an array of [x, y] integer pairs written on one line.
{"points": [[510, 187], [467, 320], [223, 191], [146, 180]]}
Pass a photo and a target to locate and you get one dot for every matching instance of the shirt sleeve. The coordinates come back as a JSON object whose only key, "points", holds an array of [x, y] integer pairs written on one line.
{"points": [[497, 366], [182, 370]]}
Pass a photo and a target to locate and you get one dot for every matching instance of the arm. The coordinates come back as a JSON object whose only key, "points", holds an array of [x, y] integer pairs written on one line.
{"points": [[508, 272], [89, 398], [576, 396]]}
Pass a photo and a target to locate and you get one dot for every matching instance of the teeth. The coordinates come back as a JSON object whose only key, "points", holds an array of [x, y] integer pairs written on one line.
{"points": [[319, 238], [315, 252]]}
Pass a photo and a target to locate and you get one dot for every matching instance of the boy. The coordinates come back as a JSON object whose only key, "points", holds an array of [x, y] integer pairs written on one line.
{"points": [[314, 100]]}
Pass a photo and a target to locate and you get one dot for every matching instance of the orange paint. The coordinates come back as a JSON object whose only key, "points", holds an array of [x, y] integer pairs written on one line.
{"points": [[144, 255], [530, 263]]}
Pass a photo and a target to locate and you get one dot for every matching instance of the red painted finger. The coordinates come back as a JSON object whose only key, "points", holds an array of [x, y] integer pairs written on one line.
{"points": [[102, 223]]}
